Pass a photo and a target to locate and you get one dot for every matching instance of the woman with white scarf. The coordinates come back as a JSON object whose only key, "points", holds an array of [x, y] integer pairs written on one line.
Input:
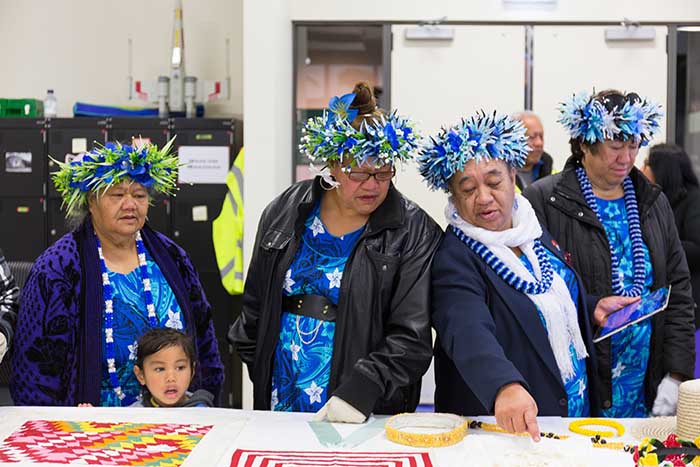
{"points": [[513, 326]]}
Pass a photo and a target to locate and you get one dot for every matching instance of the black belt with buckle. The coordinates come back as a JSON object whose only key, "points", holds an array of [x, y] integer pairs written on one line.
{"points": [[313, 306]]}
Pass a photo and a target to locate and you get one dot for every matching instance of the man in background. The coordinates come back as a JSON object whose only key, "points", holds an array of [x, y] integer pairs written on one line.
{"points": [[539, 163]]}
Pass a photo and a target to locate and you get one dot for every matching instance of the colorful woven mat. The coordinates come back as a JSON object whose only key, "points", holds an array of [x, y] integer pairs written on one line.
{"points": [[93, 443]]}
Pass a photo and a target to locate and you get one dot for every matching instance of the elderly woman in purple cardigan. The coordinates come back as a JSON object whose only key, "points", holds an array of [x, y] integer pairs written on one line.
{"points": [[92, 293]]}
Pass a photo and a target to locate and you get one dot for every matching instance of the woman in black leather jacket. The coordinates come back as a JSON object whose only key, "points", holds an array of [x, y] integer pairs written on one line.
{"points": [[619, 233], [335, 315]]}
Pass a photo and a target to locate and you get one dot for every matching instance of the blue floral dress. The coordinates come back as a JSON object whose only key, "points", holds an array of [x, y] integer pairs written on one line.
{"points": [[130, 321], [630, 347], [577, 386], [302, 364]]}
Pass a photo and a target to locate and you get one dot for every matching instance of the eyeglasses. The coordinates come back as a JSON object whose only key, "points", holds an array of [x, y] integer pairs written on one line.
{"points": [[378, 176]]}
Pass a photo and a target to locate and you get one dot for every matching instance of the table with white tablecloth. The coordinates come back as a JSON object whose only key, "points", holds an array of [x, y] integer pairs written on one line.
{"points": [[258, 433]]}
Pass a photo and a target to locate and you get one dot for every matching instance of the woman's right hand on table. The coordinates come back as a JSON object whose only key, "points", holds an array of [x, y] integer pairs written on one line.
{"points": [[516, 410]]}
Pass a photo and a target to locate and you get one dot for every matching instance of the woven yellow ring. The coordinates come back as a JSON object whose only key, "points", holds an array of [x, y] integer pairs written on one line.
{"points": [[453, 429], [576, 427]]}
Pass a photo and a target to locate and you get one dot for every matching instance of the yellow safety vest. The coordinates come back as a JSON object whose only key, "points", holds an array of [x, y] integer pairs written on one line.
{"points": [[517, 188], [227, 231]]}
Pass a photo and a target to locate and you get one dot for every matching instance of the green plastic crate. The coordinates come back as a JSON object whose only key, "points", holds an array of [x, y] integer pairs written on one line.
{"points": [[18, 108]]}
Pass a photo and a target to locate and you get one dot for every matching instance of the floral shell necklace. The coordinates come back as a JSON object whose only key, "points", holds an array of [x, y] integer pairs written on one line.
{"points": [[635, 231], [107, 294]]}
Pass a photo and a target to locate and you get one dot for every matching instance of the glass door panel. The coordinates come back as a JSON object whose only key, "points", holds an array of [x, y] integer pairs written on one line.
{"points": [[328, 61]]}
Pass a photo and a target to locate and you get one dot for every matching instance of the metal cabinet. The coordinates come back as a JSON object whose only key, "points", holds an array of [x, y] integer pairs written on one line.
{"points": [[56, 224], [23, 227], [124, 130], [68, 137], [23, 164]]}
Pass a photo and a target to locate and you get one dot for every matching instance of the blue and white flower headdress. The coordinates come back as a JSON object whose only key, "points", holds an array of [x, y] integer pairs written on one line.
{"points": [[481, 136], [379, 141], [591, 120], [111, 164]]}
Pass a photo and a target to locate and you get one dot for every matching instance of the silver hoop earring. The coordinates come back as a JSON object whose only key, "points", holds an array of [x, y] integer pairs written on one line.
{"points": [[326, 185]]}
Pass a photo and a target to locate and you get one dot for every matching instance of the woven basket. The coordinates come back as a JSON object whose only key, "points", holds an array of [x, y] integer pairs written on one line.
{"points": [[687, 422]]}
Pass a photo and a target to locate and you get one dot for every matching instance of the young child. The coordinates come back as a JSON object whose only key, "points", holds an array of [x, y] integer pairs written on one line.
{"points": [[165, 365]]}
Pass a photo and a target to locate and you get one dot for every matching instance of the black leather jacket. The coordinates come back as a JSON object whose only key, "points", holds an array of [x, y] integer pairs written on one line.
{"points": [[561, 208], [382, 343]]}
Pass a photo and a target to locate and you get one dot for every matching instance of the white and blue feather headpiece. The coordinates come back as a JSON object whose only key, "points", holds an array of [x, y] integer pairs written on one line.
{"points": [[592, 119], [481, 136], [380, 140]]}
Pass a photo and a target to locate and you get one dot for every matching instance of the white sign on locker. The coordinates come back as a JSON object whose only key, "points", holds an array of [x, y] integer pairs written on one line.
{"points": [[203, 164]]}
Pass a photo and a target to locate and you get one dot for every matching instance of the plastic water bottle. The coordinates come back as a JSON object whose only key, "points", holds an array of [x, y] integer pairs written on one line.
{"points": [[50, 104]]}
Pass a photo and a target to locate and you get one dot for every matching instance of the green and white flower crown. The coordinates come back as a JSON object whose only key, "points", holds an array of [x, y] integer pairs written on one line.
{"points": [[381, 140], [111, 164]]}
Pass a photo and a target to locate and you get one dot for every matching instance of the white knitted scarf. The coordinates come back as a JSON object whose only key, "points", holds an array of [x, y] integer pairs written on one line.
{"points": [[556, 306]]}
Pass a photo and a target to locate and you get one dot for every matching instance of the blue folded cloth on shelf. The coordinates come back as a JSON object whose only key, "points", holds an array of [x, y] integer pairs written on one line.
{"points": [[83, 109]]}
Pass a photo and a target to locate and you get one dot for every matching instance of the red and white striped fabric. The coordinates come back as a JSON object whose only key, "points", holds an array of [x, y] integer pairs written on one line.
{"points": [[246, 458]]}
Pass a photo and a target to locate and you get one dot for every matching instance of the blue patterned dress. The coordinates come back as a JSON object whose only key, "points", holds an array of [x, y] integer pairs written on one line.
{"points": [[630, 347], [130, 321], [302, 365], [577, 386]]}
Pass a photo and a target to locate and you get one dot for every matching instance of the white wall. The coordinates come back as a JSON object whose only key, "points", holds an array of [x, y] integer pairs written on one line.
{"points": [[79, 48], [267, 79]]}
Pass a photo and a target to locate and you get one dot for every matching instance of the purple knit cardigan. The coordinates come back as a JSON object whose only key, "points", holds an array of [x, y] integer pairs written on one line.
{"points": [[57, 349]]}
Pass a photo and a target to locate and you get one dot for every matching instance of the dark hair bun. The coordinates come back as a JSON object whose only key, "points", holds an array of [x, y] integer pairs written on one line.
{"points": [[364, 100]]}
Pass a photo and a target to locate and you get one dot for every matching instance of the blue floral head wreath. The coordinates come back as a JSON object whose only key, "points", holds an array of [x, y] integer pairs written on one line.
{"points": [[595, 118], [481, 136], [379, 140], [111, 164]]}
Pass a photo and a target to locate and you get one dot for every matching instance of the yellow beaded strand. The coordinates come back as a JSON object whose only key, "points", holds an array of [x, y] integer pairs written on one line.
{"points": [[474, 424], [597, 439], [576, 427]]}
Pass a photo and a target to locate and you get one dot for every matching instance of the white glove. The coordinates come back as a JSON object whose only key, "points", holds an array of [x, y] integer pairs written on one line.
{"points": [[666, 397], [3, 346], [337, 410]]}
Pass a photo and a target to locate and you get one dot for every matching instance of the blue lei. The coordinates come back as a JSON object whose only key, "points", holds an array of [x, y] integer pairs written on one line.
{"points": [[107, 294], [531, 288], [635, 230]]}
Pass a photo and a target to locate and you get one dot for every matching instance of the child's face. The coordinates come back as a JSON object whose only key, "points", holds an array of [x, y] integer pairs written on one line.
{"points": [[167, 375]]}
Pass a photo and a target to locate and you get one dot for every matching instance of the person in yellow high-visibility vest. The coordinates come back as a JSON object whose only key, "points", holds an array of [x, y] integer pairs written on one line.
{"points": [[227, 231]]}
